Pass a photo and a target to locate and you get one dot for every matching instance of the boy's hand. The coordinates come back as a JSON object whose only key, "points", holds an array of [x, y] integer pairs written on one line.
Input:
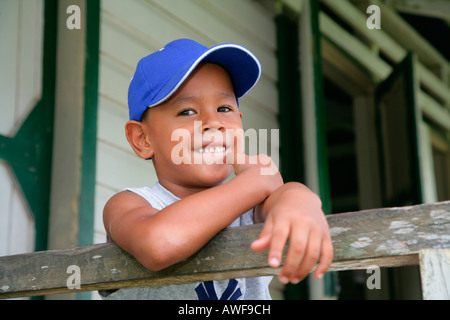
{"points": [[294, 213], [261, 165]]}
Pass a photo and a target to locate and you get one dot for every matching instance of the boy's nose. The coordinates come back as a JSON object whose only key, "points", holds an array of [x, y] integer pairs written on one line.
{"points": [[212, 122]]}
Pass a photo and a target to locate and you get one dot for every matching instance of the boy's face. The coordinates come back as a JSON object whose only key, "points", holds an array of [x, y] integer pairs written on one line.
{"points": [[188, 132]]}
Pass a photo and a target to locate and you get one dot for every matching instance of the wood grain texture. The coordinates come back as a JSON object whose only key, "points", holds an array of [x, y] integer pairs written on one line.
{"points": [[435, 273], [383, 237]]}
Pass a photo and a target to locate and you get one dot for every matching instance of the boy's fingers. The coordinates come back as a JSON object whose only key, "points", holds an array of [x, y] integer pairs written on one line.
{"points": [[263, 241], [237, 159], [305, 250], [298, 242], [326, 258], [309, 259], [280, 234]]}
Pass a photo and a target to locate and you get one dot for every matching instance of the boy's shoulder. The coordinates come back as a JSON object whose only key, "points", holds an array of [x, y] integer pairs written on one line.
{"points": [[123, 201], [155, 196]]}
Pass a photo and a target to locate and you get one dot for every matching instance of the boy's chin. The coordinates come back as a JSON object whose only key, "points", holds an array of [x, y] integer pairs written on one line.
{"points": [[213, 174]]}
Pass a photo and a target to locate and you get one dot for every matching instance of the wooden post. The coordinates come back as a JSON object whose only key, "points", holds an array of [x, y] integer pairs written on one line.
{"points": [[435, 273]]}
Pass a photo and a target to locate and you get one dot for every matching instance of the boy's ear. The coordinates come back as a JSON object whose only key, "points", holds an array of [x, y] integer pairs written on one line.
{"points": [[138, 139]]}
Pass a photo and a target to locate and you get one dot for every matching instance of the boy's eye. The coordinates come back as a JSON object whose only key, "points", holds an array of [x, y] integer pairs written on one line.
{"points": [[224, 109], [186, 112]]}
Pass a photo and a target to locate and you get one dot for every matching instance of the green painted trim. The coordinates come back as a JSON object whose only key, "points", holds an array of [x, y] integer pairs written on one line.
{"points": [[41, 119], [290, 110], [414, 120], [292, 165], [321, 129], [29, 152], [403, 69], [88, 170]]}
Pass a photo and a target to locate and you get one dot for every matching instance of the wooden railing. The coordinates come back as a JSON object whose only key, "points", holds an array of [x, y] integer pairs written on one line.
{"points": [[387, 237]]}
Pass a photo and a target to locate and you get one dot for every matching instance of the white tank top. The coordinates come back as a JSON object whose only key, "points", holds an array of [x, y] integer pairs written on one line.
{"points": [[232, 289]]}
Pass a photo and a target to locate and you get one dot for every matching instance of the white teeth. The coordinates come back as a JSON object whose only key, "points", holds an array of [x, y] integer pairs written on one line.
{"points": [[212, 149]]}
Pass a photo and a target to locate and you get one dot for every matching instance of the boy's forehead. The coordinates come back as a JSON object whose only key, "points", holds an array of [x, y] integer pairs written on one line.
{"points": [[210, 69], [188, 96]]}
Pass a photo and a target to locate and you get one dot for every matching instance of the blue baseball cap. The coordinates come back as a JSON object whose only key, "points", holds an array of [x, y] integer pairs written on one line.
{"points": [[161, 73]]}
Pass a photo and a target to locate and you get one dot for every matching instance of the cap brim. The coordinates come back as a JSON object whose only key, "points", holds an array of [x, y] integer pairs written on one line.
{"points": [[242, 65]]}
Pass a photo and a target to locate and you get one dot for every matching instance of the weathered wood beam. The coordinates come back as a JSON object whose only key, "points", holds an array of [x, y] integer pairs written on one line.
{"points": [[435, 273], [382, 237]]}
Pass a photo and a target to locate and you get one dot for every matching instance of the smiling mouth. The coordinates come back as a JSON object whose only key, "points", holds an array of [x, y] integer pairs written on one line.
{"points": [[212, 149]]}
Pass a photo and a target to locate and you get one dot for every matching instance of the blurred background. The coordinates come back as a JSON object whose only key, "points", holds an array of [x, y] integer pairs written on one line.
{"points": [[360, 91]]}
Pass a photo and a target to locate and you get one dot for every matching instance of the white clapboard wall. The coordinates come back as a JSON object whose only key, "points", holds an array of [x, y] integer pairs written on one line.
{"points": [[133, 29]]}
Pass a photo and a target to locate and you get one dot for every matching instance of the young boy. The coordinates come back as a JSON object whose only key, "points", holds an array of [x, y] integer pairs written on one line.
{"points": [[189, 87]]}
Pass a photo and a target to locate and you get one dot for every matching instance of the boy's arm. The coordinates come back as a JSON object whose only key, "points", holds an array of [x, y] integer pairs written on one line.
{"points": [[294, 212], [159, 239]]}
